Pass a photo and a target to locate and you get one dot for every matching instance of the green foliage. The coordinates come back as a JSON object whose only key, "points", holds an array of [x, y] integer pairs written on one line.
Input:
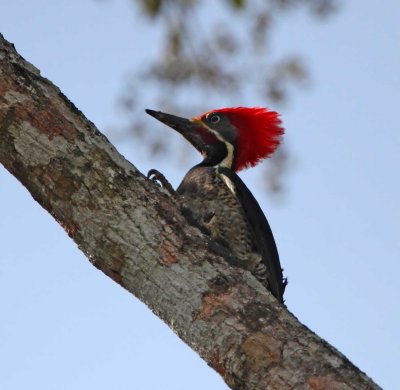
{"points": [[152, 7], [238, 3], [224, 48]]}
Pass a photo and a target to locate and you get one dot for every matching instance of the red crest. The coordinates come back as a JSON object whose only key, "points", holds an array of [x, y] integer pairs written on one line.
{"points": [[259, 133]]}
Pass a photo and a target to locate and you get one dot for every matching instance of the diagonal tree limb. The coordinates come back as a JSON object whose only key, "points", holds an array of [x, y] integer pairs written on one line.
{"points": [[136, 234]]}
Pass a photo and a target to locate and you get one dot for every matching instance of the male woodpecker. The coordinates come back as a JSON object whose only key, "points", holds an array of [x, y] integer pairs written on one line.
{"points": [[231, 139]]}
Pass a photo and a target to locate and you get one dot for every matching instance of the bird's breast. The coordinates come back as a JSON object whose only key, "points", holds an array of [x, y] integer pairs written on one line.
{"points": [[212, 200]]}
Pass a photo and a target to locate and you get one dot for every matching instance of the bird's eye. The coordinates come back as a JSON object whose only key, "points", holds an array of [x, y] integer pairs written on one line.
{"points": [[215, 119]]}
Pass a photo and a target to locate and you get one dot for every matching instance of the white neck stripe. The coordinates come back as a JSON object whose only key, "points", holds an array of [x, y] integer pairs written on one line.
{"points": [[227, 162]]}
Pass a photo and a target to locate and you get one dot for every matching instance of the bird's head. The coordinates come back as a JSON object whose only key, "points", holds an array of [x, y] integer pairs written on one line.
{"points": [[235, 138]]}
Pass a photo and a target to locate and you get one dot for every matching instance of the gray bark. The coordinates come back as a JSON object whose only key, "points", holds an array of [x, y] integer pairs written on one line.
{"points": [[136, 234]]}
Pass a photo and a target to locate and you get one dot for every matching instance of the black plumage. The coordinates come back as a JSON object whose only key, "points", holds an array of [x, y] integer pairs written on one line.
{"points": [[218, 199], [215, 196]]}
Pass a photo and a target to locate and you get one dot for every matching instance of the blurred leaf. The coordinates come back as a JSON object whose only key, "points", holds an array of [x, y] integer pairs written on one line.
{"points": [[152, 7], [238, 3]]}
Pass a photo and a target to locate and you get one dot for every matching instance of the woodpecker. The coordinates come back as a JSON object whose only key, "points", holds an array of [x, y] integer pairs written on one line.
{"points": [[229, 140]]}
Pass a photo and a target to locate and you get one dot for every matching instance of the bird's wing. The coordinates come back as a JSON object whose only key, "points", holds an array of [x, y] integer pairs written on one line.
{"points": [[261, 232]]}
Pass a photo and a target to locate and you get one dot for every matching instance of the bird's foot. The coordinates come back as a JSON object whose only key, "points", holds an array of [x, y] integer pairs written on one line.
{"points": [[158, 178]]}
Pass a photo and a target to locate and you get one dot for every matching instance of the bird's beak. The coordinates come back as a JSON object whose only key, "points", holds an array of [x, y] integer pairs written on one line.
{"points": [[190, 129]]}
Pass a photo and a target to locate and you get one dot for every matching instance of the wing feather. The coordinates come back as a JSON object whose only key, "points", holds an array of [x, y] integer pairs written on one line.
{"points": [[262, 233]]}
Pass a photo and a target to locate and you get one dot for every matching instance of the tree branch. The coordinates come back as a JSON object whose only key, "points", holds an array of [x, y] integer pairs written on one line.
{"points": [[136, 234]]}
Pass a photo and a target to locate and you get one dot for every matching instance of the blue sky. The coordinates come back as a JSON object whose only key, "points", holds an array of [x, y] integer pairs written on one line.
{"points": [[67, 326]]}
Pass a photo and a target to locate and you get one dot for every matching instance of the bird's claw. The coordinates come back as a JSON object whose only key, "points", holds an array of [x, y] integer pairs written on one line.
{"points": [[158, 178]]}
